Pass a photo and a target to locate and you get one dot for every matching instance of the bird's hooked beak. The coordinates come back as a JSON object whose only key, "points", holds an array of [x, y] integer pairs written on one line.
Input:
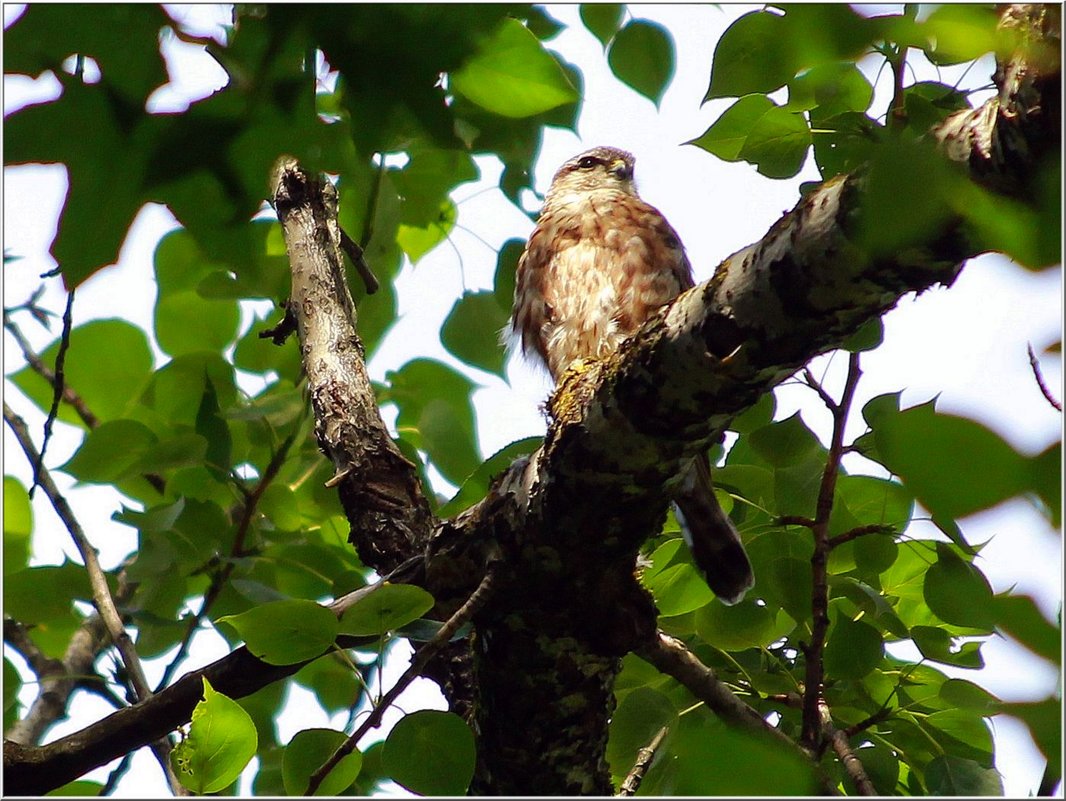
{"points": [[622, 169]]}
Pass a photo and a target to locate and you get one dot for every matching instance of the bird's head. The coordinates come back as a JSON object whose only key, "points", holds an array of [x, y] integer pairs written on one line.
{"points": [[596, 170]]}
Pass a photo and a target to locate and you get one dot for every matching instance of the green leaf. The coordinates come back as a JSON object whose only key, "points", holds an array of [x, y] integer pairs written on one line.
{"points": [[177, 388], [958, 592], [186, 322], [428, 178], [961, 33], [726, 137], [111, 451], [79, 787], [418, 240], [388, 607], [868, 337], [122, 39], [602, 19], [954, 466], [430, 753], [938, 645], [331, 678], [1018, 616], [477, 484], [734, 628], [222, 740], [511, 74], [641, 56], [436, 415], [713, 760], [472, 330], [37, 595], [962, 732], [752, 57], [853, 649], [785, 442], [913, 170], [285, 632], [964, 694], [949, 775], [1044, 719], [105, 168], [108, 364], [832, 89], [679, 589], [777, 143], [504, 280], [639, 716], [211, 426], [308, 751], [18, 525]]}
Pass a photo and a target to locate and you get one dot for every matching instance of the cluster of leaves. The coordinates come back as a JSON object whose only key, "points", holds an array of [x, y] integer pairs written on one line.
{"points": [[815, 59], [917, 730], [226, 485]]}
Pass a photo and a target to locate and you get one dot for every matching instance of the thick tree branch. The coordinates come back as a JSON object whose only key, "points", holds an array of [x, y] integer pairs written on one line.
{"points": [[852, 764], [569, 519]]}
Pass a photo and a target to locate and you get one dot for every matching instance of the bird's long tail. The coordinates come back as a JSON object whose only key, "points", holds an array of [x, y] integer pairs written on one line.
{"points": [[711, 536]]}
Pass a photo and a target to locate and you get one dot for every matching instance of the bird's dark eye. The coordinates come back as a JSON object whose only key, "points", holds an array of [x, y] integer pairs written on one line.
{"points": [[588, 162]]}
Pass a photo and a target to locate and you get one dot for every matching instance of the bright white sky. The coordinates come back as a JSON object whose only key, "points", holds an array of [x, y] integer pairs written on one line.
{"points": [[966, 344]]}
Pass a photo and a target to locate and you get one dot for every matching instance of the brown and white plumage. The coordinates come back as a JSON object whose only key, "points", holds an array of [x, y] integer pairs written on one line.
{"points": [[596, 266]]}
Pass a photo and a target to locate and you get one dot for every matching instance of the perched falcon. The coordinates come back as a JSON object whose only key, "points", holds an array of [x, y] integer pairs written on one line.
{"points": [[598, 263]]}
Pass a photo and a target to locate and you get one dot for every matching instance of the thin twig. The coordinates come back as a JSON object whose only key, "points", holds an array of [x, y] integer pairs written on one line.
{"points": [[644, 759], [866, 723], [794, 520], [670, 656], [813, 383], [812, 690], [852, 764], [355, 253], [220, 578], [37, 364], [860, 531], [1040, 380], [16, 634], [897, 110], [283, 330], [469, 608], [102, 600], [59, 382]]}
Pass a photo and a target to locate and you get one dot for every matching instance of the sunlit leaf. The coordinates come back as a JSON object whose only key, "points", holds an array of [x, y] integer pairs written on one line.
{"points": [[285, 632], [386, 608], [221, 741], [513, 75]]}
